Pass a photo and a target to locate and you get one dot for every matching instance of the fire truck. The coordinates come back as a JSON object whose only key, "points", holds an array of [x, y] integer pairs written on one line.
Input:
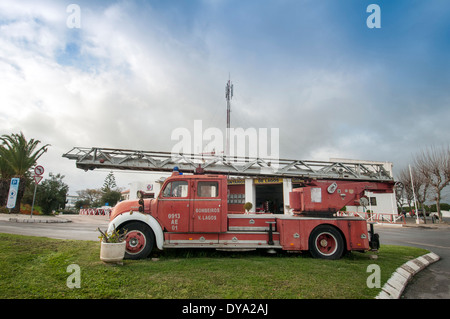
{"points": [[191, 210]]}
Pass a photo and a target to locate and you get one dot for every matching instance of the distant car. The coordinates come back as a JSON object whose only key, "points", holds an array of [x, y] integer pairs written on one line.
{"points": [[413, 213], [420, 211]]}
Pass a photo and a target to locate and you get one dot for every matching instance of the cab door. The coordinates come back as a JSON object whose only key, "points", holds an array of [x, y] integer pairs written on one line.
{"points": [[207, 207], [174, 206]]}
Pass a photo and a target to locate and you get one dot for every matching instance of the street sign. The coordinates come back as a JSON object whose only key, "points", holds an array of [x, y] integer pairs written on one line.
{"points": [[39, 170], [37, 179], [12, 195]]}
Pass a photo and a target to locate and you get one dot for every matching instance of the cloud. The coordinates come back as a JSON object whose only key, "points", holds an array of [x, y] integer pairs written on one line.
{"points": [[135, 71]]}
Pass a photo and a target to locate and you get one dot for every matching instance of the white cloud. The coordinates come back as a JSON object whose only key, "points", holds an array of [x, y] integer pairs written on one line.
{"points": [[133, 73]]}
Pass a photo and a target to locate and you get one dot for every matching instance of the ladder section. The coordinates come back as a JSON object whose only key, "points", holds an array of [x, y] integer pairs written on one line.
{"points": [[123, 159]]}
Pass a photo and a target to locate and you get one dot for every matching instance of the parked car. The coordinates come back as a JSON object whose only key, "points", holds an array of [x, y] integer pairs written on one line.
{"points": [[420, 211]]}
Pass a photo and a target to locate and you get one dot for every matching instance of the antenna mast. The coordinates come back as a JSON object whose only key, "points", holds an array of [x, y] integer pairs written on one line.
{"points": [[228, 96]]}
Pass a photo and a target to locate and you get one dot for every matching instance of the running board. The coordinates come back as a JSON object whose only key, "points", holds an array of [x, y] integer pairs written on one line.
{"points": [[235, 239], [226, 247]]}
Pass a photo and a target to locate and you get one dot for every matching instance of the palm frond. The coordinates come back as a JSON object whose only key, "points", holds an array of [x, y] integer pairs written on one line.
{"points": [[19, 155]]}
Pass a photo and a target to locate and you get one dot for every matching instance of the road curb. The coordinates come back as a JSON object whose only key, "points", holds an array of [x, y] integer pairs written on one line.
{"points": [[395, 286], [39, 220]]}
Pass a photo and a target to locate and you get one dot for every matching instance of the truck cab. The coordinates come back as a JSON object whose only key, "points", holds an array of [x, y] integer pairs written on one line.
{"points": [[186, 204], [193, 203]]}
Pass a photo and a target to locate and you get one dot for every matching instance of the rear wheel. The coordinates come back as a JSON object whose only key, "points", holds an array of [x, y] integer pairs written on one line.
{"points": [[374, 242], [326, 242], [140, 240]]}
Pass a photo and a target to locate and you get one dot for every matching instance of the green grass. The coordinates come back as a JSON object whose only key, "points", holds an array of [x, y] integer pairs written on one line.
{"points": [[35, 267]]}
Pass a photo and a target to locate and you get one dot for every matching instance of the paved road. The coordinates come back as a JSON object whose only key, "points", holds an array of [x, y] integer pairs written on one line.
{"points": [[434, 281], [80, 227]]}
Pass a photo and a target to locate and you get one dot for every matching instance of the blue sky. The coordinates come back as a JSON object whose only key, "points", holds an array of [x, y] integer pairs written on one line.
{"points": [[137, 70]]}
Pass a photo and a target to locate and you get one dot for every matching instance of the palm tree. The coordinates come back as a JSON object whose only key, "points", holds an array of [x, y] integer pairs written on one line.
{"points": [[17, 157], [5, 177]]}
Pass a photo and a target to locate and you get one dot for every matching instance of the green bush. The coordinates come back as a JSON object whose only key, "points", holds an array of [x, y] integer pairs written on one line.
{"points": [[444, 206]]}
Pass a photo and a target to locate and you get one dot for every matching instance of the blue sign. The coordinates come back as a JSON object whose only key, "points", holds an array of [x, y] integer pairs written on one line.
{"points": [[12, 195]]}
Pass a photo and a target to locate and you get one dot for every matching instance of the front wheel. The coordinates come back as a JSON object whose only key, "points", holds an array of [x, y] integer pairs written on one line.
{"points": [[140, 240], [326, 242]]}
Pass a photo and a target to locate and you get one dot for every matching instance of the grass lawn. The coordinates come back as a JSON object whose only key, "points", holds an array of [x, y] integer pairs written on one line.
{"points": [[35, 267]]}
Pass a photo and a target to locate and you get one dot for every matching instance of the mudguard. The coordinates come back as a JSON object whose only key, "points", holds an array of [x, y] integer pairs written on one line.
{"points": [[145, 218]]}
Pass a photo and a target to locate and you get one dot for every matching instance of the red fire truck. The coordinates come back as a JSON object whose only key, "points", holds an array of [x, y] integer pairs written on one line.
{"points": [[191, 211]]}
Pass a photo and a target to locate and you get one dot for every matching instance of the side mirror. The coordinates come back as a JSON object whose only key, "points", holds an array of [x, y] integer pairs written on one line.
{"points": [[141, 205], [140, 195]]}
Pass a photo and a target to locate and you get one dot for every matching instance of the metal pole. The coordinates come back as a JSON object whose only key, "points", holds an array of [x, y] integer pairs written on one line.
{"points": [[228, 129], [34, 196], [228, 96], [414, 195]]}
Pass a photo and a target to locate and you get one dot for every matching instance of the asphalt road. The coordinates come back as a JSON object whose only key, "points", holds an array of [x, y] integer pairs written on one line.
{"points": [[80, 227], [434, 281], [431, 283]]}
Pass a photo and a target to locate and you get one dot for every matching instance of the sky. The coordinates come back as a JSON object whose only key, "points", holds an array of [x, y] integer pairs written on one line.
{"points": [[126, 74]]}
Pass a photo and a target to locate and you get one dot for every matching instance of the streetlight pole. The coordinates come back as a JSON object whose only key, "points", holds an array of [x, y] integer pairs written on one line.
{"points": [[414, 194]]}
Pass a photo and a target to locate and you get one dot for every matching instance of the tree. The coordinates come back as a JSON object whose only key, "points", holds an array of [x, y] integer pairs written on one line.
{"points": [[90, 197], [18, 156], [110, 183], [420, 187], [111, 194], [5, 176], [434, 166], [111, 198], [82, 203], [52, 193]]}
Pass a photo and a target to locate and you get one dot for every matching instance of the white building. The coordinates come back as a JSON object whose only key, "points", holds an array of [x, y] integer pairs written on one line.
{"points": [[71, 200], [151, 188]]}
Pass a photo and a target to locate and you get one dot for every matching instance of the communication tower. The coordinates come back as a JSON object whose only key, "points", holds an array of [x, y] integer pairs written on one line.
{"points": [[228, 96]]}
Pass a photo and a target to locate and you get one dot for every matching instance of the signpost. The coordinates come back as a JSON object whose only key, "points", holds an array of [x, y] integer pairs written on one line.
{"points": [[12, 195], [38, 170]]}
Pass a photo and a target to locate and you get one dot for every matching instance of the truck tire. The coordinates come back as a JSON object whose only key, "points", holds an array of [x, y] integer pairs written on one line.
{"points": [[326, 242], [374, 242], [140, 240]]}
